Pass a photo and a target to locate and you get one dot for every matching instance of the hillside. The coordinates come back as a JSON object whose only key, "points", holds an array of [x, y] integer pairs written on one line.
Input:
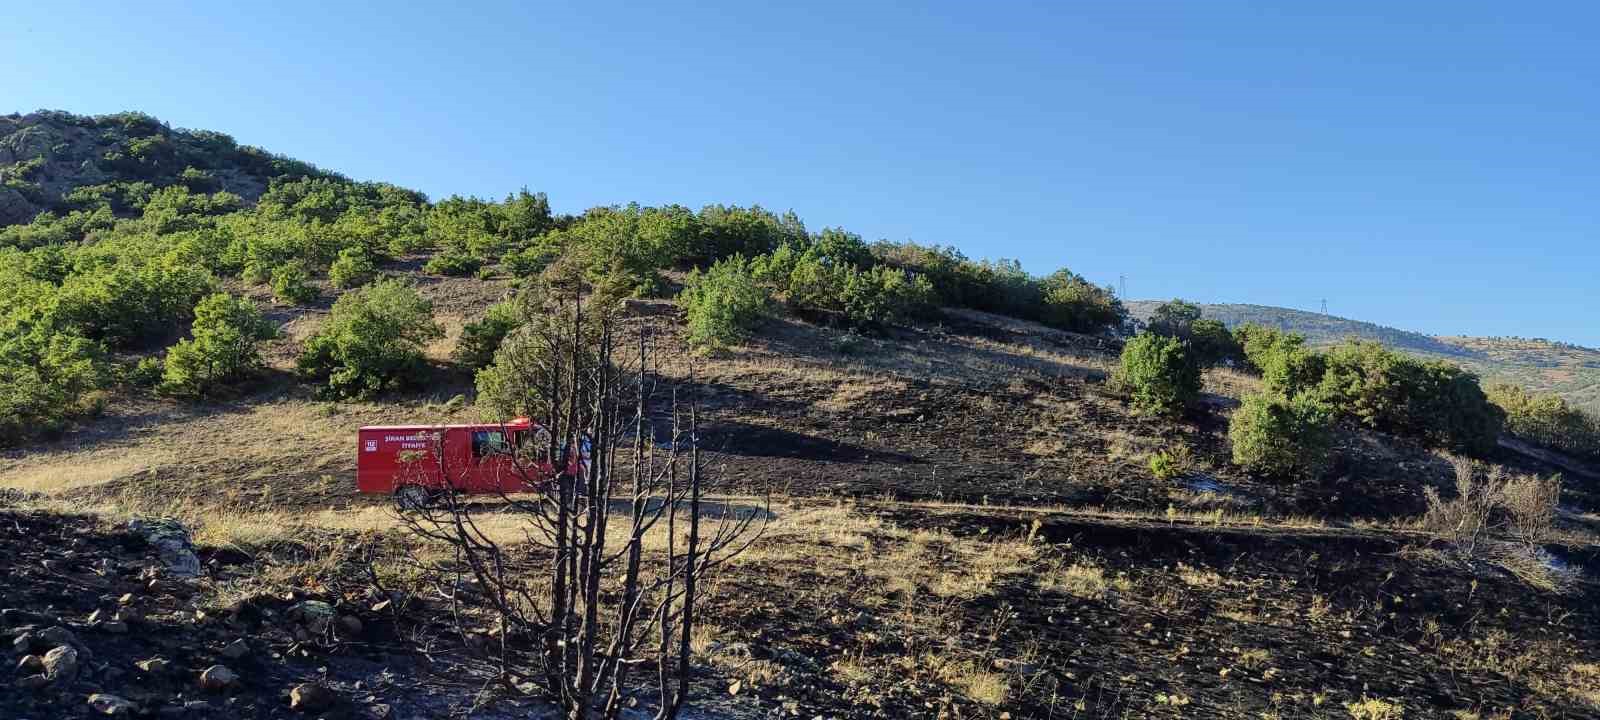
{"points": [[1543, 366], [58, 162], [954, 510]]}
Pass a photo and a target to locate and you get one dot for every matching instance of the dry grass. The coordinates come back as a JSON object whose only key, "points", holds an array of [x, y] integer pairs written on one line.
{"points": [[1375, 709]]}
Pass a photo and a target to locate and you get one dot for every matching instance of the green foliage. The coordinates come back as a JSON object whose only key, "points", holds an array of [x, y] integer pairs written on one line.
{"points": [[1159, 373], [1547, 420], [1287, 366], [453, 264], [46, 379], [726, 231], [222, 347], [1434, 401], [1174, 318], [724, 303], [883, 295], [1073, 303], [1213, 344], [372, 342], [1165, 465], [353, 268], [291, 283], [480, 340], [1282, 437]]}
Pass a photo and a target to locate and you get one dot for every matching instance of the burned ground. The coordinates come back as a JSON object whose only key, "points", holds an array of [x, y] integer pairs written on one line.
{"points": [[965, 524]]}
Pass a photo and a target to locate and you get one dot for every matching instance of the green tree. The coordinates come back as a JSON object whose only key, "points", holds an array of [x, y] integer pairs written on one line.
{"points": [[1073, 303], [480, 340], [353, 268], [1280, 436], [724, 303], [222, 346], [372, 342], [1159, 373], [1174, 318], [291, 283]]}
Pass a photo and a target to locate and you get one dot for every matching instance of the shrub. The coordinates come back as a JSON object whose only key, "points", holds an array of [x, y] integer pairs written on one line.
{"points": [[353, 268], [1213, 344], [291, 283], [882, 296], [723, 304], [1435, 401], [1174, 318], [1073, 303], [1547, 420], [222, 346], [372, 341], [1159, 374], [479, 340], [1169, 464], [452, 263], [1275, 435]]}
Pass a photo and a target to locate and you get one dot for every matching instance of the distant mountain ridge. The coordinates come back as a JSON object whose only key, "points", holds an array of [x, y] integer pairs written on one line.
{"points": [[1540, 365]]}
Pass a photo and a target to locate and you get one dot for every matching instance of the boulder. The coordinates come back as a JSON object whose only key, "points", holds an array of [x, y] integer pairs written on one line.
{"points": [[32, 682], [236, 650], [218, 678], [153, 666], [30, 664], [172, 542], [108, 704], [310, 697], [61, 664]]}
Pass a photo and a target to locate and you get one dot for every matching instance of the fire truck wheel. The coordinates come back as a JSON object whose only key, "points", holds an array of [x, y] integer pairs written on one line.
{"points": [[412, 497]]}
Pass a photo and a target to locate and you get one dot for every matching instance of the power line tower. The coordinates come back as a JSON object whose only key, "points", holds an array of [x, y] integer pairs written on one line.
{"points": [[1122, 286], [1324, 306]]}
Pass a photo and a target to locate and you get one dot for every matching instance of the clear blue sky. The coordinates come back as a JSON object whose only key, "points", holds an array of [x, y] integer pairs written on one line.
{"points": [[1429, 165]]}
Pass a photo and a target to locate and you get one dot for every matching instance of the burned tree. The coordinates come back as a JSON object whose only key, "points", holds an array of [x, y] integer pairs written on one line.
{"points": [[587, 566]]}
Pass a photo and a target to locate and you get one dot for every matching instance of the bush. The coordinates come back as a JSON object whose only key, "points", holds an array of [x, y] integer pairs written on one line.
{"points": [[291, 283], [1213, 344], [1433, 401], [1159, 373], [1174, 318], [221, 349], [882, 296], [723, 304], [372, 341], [1547, 420], [480, 340], [1169, 464], [453, 264], [1284, 437], [1073, 303], [353, 268]]}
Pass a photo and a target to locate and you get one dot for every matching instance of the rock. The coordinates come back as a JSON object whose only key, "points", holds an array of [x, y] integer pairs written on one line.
{"points": [[14, 617], [24, 642], [59, 636], [61, 663], [379, 711], [108, 704], [172, 542], [350, 624], [32, 682], [314, 614], [310, 697], [218, 677], [30, 664], [198, 706], [128, 615], [117, 627], [127, 599], [98, 616], [153, 665], [236, 650]]}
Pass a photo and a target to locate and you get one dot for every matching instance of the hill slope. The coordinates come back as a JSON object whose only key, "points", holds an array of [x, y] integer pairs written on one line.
{"points": [[1543, 366], [46, 156]]}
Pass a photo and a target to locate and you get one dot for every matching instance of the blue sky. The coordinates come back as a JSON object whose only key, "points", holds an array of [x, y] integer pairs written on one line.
{"points": [[1431, 166]]}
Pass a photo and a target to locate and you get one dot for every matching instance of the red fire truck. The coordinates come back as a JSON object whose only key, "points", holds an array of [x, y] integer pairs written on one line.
{"points": [[404, 460]]}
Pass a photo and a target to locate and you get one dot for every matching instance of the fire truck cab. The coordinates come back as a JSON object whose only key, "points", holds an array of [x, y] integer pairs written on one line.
{"points": [[484, 458]]}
